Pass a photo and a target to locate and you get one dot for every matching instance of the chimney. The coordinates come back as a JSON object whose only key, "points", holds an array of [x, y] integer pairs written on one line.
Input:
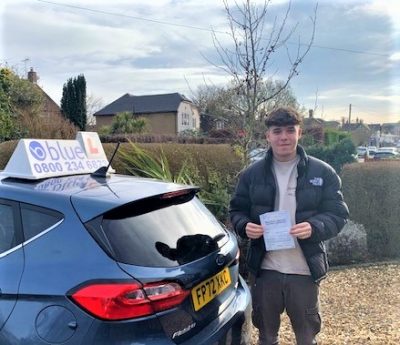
{"points": [[32, 76], [311, 113]]}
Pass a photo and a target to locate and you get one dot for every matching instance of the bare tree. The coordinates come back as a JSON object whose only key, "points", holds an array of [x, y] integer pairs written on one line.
{"points": [[93, 104], [249, 61], [221, 103]]}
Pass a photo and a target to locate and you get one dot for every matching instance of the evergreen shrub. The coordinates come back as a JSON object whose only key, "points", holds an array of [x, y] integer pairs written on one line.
{"points": [[333, 136], [6, 150], [349, 247], [372, 192], [337, 155]]}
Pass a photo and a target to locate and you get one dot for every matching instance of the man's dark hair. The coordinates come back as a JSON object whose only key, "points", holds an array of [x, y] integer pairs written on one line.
{"points": [[284, 116]]}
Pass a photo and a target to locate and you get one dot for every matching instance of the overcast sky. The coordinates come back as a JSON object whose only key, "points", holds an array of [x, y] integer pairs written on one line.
{"points": [[158, 46]]}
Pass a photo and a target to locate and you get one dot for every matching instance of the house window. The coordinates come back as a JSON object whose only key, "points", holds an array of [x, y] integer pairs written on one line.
{"points": [[185, 119], [219, 125]]}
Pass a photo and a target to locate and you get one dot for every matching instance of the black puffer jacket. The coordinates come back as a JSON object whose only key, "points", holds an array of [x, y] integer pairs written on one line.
{"points": [[319, 202]]}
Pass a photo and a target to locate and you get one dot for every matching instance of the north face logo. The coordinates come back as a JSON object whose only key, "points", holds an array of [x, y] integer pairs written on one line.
{"points": [[317, 181]]}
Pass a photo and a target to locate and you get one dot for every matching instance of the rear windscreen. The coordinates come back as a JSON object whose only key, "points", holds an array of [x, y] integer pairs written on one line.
{"points": [[162, 233]]}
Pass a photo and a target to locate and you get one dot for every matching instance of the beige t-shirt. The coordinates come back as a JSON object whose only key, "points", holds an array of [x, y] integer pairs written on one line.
{"points": [[289, 261]]}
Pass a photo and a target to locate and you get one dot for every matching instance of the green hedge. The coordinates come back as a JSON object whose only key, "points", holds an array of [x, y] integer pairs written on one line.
{"points": [[372, 192], [337, 154], [6, 149], [206, 157]]}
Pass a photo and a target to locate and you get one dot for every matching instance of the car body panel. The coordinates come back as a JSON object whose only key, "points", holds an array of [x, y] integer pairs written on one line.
{"points": [[92, 194], [372, 150], [362, 152], [257, 154], [11, 268], [386, 153], [45, 284], [49, 267], [75, 251], [388, 149], [118, 190], [189, 275], [11, 260]]}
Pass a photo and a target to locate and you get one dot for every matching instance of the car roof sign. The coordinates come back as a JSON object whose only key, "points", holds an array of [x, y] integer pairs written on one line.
{"points": [[41, 158]]}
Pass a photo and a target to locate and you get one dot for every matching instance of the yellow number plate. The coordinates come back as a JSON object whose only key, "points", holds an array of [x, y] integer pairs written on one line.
{"points": [[207, 290]]}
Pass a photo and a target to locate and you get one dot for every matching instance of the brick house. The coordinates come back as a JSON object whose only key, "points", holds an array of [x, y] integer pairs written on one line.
{"points": [[50, 109], [167, 114]]}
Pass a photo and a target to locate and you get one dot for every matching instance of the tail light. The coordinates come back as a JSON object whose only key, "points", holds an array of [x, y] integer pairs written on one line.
{"points": [[119, 301]]}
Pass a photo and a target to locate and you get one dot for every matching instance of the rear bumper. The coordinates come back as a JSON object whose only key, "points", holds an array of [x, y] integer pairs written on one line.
{"points": [[231, 319], [150, 331]]}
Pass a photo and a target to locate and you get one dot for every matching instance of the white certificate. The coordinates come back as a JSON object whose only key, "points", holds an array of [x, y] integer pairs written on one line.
{"points": [[276, 227]]}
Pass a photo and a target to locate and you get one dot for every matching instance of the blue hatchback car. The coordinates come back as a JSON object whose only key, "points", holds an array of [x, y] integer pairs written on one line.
{"points": [[115, 260]]}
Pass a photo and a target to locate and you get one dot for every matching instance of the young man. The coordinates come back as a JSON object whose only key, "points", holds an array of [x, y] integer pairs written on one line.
{"points": [[309, 190]]}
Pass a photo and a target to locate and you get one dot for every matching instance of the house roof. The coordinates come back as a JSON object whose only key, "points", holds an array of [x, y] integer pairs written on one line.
{"points": [[390, 126], [332, 123], [33, 78], [374, 126], [355, 126], [312, 121], [49, 99], [164, 103]]}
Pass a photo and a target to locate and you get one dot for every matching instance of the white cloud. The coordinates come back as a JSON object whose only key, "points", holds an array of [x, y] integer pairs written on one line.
{"points": [[388, 8], [114, 82], [119, 53], [395, 56], [385, 7]]}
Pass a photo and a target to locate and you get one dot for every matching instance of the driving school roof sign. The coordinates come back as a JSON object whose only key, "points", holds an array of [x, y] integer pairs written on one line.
{"points": [[39, 158]]}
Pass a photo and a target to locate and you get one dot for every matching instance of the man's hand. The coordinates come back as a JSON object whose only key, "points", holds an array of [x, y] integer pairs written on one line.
{"points": [[301, 230], [254, 231]]}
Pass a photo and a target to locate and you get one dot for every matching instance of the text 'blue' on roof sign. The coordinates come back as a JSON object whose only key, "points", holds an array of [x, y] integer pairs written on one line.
{"points": [[40, 158]]}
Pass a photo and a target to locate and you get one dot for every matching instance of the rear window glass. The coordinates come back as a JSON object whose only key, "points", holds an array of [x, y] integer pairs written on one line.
{"points": [[36, 220], [7, 228], [168, 236]]}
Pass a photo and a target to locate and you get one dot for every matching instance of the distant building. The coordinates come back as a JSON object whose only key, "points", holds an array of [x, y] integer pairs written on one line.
{"points": [[359, 131], [50, 108], [211, 122], [374, 139], [352, 127], [375, 127], [165, 113], [332, 124], [391, 128], [311, 121]]}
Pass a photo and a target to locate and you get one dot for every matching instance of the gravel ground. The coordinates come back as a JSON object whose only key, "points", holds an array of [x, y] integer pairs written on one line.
{"points": [[359, 306]]}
